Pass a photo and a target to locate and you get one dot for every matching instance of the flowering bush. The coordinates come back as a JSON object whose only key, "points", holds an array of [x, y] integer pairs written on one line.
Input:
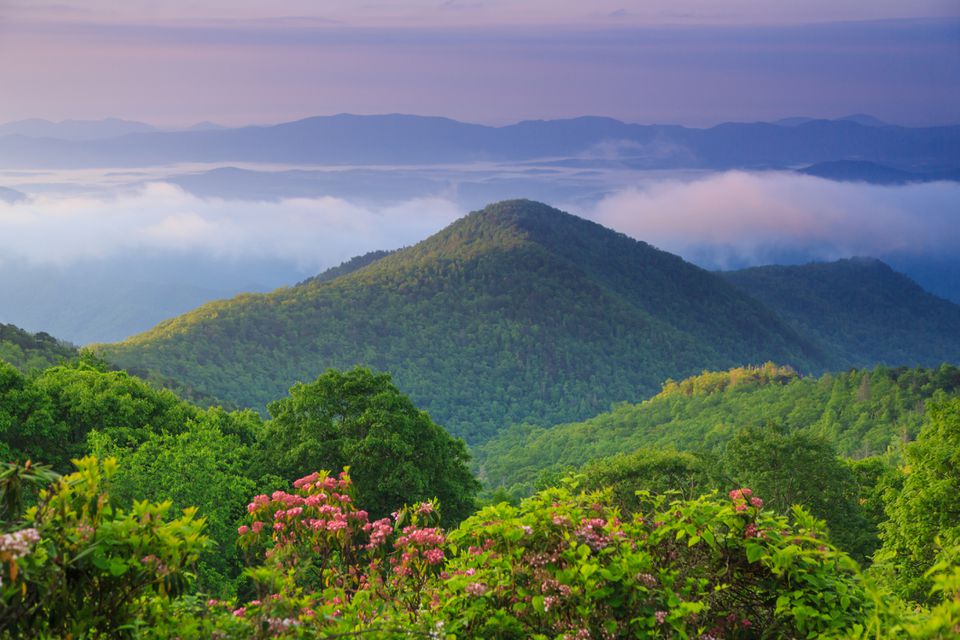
{"points": [[81, 568], [563, 565], [566, 565]]}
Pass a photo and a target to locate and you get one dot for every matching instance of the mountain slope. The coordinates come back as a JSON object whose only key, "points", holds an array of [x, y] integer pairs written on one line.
{"points": [[32, 351], [860, 311], [861, 412], [518, 312]]}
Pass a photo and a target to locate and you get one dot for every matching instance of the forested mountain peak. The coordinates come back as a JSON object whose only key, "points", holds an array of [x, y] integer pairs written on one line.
{"points": [[517, 312]]}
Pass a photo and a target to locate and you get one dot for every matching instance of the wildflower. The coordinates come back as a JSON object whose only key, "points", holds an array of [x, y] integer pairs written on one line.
{"points": [[476, 588], [18, 543], [757, 502], [243, 529]]}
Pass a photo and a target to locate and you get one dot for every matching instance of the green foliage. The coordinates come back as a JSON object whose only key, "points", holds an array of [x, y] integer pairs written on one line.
{"points": [[359, 419], [83, 567], [800, 469], [562, 564], [859, 311], [32, 351], [204, 466], [924, 520], [515, 313], [47, 417], [861, 413], [650, 471]]}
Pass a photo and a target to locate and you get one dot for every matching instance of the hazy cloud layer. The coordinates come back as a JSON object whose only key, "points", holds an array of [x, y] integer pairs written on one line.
{"points": [[312, 232], [738, 218]]}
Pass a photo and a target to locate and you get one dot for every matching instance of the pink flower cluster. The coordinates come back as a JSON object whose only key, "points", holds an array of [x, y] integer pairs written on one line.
{"points": [[18, 543], [415, 543], [322, 505], [378, 531], [742, 496], [592, 531]]}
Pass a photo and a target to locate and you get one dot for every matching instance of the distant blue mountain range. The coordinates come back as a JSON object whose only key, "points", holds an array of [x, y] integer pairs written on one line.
{"points": [[406, 139]]}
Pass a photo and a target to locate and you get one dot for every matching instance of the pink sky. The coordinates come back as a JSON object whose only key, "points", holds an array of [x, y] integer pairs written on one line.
{"points": [[687, 61]]}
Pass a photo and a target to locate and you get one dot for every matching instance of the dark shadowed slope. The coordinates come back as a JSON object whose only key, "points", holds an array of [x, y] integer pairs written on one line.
{"points": [[860, 311]]}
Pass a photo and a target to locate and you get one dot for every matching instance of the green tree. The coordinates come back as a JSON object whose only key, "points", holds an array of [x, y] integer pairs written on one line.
{"points": [[359, 419], [925, 515], [647, 470], [797, 468], [205, 467]]}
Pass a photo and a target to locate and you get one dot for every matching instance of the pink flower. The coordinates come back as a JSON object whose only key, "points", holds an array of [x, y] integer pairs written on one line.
{"points": [[661, 616], [425, 508], [476, 588], [242, 611], [740, 507], [257, 526], [310, 479], [243, 529], [434, 556], [757, 502]]}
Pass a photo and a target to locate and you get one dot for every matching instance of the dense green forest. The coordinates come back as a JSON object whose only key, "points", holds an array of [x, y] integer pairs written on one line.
{"points": [[170, 449], [861, 413], [884, 317], [185, 523], [32, 351], [515, 313], [521, 313]]}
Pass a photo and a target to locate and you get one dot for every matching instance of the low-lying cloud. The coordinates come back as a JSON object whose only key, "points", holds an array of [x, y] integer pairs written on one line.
{"points": [[738, 218], [311, 232], [722, 220]]}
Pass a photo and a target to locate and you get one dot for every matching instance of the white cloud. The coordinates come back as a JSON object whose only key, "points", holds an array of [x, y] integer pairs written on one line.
{"points": [[749, 217], [312, 232]]}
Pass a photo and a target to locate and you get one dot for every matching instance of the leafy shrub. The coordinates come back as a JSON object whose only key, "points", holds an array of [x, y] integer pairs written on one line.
{"points": [[77, 567]]}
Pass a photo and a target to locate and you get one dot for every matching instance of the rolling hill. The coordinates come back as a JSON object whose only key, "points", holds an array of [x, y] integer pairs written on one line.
{"points": [[861, 412], [859, 311], [32, 351], [515, 313]]}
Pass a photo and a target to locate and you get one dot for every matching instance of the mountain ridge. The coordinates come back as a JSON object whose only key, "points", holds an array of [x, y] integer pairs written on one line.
{"points": [[503, 312], [408, 139]]}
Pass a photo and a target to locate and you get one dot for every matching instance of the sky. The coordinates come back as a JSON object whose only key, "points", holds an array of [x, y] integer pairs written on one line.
{"points": [[693, 62]]}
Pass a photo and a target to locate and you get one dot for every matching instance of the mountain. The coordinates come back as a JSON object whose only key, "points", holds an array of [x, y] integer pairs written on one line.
{"points": [[859, 311], [861, 412], [863, 171], [32, 351], [77, 130], [863, 119], [405, 139], [518, 312]]}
